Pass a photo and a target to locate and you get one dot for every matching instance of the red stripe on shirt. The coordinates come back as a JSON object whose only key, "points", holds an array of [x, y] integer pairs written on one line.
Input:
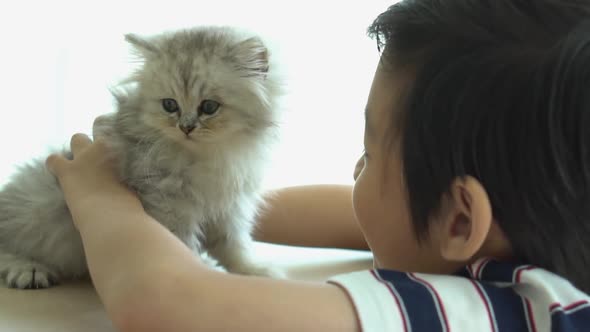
{"points": [[530, 315], [520, 270], [575, 305], [480, 268], [569, 307], [485, 301], [470, 270], [438, 300], [395, 297], [529, 310]]}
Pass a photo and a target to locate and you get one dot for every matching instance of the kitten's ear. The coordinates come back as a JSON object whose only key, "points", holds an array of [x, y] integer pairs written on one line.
{"points": [[142, 45], [252, 57]]}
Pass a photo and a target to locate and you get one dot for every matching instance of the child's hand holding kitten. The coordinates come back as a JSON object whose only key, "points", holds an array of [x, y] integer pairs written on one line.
{"points": [[90, 177]]}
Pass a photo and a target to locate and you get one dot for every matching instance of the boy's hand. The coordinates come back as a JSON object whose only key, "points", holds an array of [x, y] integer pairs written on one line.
{"points": [[91, 176]]}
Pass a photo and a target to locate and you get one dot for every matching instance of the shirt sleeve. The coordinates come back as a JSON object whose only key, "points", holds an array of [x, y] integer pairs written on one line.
{"points": [[396, 301], [376, 308]]}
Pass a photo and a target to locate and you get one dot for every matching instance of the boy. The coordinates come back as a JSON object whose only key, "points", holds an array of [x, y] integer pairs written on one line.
{"points": [[472, 194]]}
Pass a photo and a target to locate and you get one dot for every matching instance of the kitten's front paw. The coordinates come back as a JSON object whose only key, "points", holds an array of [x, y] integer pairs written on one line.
{"points": [[212, 263], [30, 276]]}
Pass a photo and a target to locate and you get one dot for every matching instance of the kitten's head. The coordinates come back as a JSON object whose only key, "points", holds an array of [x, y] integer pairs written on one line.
{"points": [[204, 86]]}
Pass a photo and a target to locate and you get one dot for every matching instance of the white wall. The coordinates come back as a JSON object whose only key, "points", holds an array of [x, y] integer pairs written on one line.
{"points": [[57, 59]]}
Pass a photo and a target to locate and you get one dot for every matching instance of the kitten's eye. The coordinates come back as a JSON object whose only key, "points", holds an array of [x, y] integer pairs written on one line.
{"points": [[209, 107], [170, 105]]}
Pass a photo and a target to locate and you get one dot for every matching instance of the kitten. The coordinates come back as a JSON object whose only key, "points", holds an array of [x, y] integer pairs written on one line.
{"points": [[192, 131]]}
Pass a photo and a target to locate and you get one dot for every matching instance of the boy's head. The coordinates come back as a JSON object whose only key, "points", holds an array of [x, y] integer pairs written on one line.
{"points": [[476, 136]]}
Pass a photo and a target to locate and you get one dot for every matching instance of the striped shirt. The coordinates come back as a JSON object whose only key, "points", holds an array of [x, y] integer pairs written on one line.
{"points": [[485, 296]]}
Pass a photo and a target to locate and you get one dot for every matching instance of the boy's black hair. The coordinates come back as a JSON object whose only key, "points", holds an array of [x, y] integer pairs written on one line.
{"points": [[500, 91]]}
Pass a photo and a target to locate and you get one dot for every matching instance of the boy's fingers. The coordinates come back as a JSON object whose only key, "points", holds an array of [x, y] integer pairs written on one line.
{"points": [[55, 164], [79, 142]]}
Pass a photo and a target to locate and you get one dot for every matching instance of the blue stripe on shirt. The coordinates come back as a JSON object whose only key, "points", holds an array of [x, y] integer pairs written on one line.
{"points": [[576, 320], [417, 300], [498, 272], [507, 307]]}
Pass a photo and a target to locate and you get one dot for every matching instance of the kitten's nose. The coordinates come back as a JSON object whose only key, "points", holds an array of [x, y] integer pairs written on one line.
{"points": [[186, 129]]}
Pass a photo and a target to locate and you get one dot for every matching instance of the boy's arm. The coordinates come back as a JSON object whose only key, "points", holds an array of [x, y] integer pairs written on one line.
{"points": [[149, 281], [312, 216]]}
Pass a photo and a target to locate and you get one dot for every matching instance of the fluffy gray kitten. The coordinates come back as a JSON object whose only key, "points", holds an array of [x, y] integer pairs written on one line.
{"points": [[192, 130]]}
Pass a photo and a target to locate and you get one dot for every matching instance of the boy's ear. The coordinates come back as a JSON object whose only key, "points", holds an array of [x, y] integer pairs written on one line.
{"points": [[467, 222]]}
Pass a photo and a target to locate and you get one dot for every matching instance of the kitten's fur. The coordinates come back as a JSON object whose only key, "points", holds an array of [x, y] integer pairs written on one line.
{"points": [[204, 187]]}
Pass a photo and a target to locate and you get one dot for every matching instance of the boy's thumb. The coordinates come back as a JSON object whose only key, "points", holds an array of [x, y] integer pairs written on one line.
{"points": [[55, 163]]}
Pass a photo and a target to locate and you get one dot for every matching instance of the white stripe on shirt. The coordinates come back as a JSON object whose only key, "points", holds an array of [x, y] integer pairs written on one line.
{"points": [[376, 307]]}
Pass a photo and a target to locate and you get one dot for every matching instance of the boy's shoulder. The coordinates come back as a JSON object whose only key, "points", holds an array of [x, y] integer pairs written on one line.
{"points": [[485, 296]]}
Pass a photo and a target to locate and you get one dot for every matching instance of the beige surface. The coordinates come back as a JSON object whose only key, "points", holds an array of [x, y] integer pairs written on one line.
{"points": [[75, 306]]}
